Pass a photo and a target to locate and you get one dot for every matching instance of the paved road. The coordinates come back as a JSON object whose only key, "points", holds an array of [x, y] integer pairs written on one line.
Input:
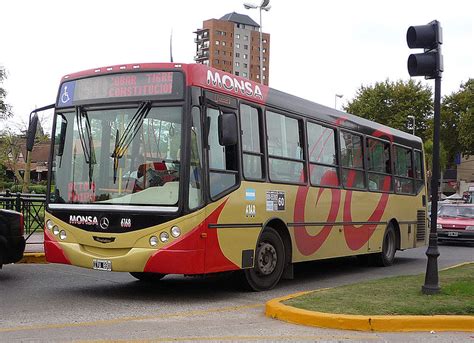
{"points": [[65, 303]]}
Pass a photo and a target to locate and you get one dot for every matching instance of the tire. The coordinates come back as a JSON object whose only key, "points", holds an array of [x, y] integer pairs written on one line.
{"points": [[268, 264], [147, 277], [389, 247]]}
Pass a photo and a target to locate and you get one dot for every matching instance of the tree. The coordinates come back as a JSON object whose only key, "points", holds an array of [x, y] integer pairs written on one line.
{"points": [[13, 158], [443, 157], [10, 151], [457, 121], [390, 103], [5, 109]]}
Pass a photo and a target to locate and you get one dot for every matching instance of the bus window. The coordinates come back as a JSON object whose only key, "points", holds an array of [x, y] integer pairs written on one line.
{"points": [[285, 148], [322, 155], [403, 170], [352, 160], [195, 171], [251, 145], [419, 175], [222, 159], [378, 165]]}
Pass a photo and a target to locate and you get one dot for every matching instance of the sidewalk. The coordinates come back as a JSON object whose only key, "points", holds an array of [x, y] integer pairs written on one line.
{"points": [[34, 244], [34, 250]]}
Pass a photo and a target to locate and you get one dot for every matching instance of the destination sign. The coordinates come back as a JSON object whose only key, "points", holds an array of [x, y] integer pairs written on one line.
{"points": [[124, 86]]}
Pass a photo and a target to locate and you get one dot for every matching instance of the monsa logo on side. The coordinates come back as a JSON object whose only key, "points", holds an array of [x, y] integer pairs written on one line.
{"points": [[83, 220], [232, 84]]}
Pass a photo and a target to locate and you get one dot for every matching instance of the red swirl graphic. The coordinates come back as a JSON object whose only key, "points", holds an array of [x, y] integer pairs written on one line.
{"points": [[355, 237], [306, 243]]}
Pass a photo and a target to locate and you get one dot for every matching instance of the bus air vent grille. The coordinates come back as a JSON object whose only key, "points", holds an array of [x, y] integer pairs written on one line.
{"points": [[420, 225]]}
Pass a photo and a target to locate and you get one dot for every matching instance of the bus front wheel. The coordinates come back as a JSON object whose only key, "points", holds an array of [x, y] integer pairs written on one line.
{"points": [[386, 257], [268, 264], [147, 277]]}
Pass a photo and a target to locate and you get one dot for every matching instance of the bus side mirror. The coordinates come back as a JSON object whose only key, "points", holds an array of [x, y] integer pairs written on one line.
{"points": [[30, 140], [227, 125]]}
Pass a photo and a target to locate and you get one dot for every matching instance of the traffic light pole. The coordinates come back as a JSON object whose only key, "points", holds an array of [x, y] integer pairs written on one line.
{"points": [[431, 285], [430, 65]]}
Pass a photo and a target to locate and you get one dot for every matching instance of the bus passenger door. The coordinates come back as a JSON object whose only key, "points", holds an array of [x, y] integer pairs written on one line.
{"points": [[221, 130], [222, 155]]}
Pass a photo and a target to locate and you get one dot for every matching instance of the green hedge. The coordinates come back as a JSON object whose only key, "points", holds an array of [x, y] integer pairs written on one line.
{"points": [[38, 189]]}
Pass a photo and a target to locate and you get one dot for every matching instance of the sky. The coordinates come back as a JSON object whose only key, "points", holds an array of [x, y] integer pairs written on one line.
{"points": [[318, 48]]}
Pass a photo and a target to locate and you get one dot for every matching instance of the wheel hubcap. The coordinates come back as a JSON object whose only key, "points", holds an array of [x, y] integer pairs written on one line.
{"points": [[266, 258]]}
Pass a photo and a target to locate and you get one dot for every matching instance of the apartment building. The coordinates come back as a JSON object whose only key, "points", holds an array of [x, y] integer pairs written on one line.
{"points": [[232, 44]]}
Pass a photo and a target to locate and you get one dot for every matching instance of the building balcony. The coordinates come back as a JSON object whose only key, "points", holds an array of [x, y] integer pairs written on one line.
{"points": [[201, 55], [203, 46], [201, 59], [201, 39], [202, 35]]}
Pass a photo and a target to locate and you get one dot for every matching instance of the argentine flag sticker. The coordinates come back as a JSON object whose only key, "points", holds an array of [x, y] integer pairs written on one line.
{"points": [[250, 194]]}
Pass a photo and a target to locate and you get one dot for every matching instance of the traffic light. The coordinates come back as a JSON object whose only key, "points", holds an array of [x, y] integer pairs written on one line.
{"points": [[430, 65], [428, 37]]}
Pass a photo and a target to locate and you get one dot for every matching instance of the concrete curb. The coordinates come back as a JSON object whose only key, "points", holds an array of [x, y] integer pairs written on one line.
{"points": [[30, 257], [275, 309]]}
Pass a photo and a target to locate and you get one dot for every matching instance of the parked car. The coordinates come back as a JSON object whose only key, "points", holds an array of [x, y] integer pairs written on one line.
{"points": [[12, 242], [456, 223], [440, 203]]}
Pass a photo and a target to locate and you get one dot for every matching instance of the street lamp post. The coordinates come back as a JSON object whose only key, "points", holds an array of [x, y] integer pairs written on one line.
{"points": [[335, 99], [263, 6], [413, 123]]}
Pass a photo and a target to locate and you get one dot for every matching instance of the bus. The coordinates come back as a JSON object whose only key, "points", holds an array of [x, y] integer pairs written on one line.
{"points": [[165, 168]]}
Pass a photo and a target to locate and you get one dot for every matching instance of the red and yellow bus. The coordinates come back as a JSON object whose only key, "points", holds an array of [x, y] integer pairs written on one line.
{"points": [[168, 168]]}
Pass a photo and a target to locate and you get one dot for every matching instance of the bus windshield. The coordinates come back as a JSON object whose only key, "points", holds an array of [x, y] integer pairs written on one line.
{"points": [[127, 156]]}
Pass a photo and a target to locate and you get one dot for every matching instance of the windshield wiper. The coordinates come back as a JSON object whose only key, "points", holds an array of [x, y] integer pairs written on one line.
{"points": [[122, 143], [85, 135]]}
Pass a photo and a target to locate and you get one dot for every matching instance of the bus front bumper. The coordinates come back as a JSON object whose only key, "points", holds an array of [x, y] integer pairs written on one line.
{"points": [[165, 261]]}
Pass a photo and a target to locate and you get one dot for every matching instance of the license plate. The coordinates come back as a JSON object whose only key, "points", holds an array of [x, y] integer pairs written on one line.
{"points": [[453, 234], [105, 265]]}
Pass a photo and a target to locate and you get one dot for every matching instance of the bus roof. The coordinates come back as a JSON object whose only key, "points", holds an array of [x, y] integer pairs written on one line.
{"points": [[219, 81]]}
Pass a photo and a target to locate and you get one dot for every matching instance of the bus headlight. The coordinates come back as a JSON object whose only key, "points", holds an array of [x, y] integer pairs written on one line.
{"points": [[49, 225], [62, 235], [164, 237], [55, 230], [153, 241], [175, 231], [439, 226], [470, 228]]}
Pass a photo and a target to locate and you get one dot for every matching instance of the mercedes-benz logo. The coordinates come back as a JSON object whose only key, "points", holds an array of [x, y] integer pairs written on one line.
{"points": [[104, 223]]}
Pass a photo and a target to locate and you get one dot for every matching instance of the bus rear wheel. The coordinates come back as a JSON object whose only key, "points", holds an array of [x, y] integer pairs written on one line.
{"points": [[386, 257], [268, 264], [147, 277]]}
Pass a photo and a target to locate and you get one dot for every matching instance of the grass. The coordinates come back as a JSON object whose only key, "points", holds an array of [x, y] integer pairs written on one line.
{"points": [[399, 295]]}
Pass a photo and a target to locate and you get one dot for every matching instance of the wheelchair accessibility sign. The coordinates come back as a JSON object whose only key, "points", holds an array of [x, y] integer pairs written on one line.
{"points": [[66, 95]]}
